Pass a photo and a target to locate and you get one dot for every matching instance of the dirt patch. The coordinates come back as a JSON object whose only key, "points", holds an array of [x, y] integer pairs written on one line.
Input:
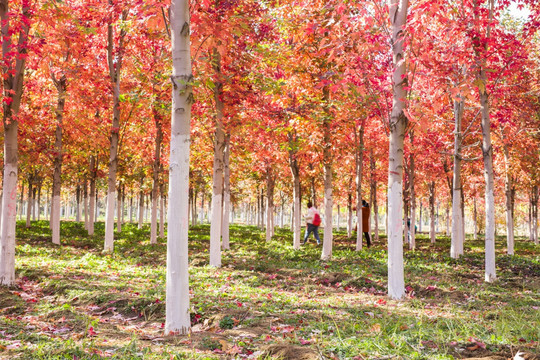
{"points": [[289, 352], [436, 295], [11, 303], [474, 352]]}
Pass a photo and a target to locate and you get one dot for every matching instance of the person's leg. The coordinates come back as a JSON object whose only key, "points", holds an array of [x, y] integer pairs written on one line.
{"points": [[316, 234], [306, 235], [368, 239]]}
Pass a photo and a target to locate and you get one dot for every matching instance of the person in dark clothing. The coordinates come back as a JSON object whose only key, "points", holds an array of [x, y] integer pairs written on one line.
{"points": [[366, 222]]}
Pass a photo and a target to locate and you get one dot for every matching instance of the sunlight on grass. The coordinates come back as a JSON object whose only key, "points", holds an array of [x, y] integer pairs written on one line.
{"points": [[73, 301]]}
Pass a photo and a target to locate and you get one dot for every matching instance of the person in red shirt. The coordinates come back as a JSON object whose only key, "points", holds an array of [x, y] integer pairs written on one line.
{"points": [[311, 218]]}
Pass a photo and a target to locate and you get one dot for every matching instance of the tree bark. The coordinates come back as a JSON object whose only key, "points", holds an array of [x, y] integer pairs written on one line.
{"points": [[432, 230], [456, 247], [91, 211], [226, 194], [295, 171], [359, 172], [115, 66], [78, 203], [13, 75], [162, 213], [349, 212], [509, 204], [217, 178], [85, 203], [119, 209], [327, 163], [398, 123], [155, 173], [177, 318], [29, 202], [487, 149], [141, 209], [61, 86], [270, 183]]}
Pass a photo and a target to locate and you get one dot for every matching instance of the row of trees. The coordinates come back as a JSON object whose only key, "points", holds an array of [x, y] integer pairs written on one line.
{"points": [[296, 98]]}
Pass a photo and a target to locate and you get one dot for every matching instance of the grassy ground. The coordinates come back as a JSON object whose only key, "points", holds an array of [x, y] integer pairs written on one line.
{"points": [[266, 302]]}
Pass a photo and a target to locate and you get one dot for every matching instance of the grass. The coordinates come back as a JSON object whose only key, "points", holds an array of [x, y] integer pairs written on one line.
{"points": [[267, 301]]}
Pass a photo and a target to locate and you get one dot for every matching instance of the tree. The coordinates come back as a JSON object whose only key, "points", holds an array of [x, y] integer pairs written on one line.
{"points": [[13, 67], [177, 297], [398, 123]]}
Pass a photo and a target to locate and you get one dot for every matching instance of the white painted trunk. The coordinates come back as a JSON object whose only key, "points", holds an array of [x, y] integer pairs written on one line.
{"points": [[153, 219], [509, 204], [109, 219], [162, 218], [131, 209], [359, 172], [119, 212], [349, 222], [177, 319], [456, 247], [475, 221], [141, 210], [396, 281], [412, 230], [55, 215], [91, 211], [226, 195], [297, 230], [487, 150], [29, 206], [85, 209], [9, 212], [328, 205]]}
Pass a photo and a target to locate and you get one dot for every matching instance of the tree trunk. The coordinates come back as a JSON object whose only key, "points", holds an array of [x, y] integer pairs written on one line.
{"points": [[412, 193], [217, 178], [456, 248], [9, 213], [350, 212], [34, 202], [155, 174], [359, 172], [21, 201], [398, 123], [270, 183], [13, 66], [296, 226], [115, 65], [91, 211], [226, 193], [487, 149], [29, 203], [475, 220], [119, 209], [78, 203], [177, 318], [327, 163], [141, 206], [432, 230], [85, 203], [162, 213], [61, 85], [534, 215], [373, 198], [509, 205], [194, 210]]}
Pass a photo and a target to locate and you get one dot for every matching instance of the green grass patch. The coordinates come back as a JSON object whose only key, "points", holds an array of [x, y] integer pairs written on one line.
{"points": [[268, 301]]}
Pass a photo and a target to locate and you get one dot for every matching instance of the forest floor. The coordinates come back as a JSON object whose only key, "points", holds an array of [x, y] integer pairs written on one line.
{"points": [[267, 301]]}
